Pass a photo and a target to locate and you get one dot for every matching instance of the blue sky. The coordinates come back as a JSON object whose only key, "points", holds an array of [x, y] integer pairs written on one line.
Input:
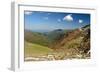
{"points": [[48, 21]]}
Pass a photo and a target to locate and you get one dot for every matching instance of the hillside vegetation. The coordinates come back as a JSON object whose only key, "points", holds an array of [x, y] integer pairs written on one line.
{"points": [[36, 50], [61, 44], [37, 38]]}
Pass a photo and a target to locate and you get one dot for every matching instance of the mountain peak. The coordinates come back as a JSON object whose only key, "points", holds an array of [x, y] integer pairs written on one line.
{"points": [[58, 30]]}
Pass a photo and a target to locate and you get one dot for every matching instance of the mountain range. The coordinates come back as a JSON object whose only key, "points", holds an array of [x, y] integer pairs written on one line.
{"points": [[69, 42]]}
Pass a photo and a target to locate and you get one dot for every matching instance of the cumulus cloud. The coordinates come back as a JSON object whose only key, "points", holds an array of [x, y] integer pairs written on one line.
{"points": [[59, 20], [28, 12], [68, 17], [80, 21]]}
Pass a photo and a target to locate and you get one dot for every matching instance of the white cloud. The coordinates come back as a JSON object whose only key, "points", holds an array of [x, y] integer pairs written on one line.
{"points": [[59, 20], [80, 21], [28, 12], [68, 17]]}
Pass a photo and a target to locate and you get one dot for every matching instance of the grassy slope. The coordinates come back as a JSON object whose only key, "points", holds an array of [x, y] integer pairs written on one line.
{"points": [[56, 34], [36, 50], [36, 38]]}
